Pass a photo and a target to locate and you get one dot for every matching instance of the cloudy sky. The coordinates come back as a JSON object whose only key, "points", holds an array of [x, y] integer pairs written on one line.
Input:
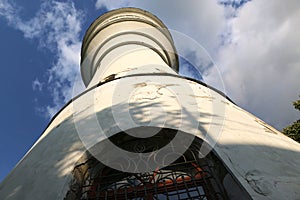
{"points": [[253, 47]]}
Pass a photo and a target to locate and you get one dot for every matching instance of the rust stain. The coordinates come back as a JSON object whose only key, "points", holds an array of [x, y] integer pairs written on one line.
{"points": [[267, 128], [203, 97], [140, 85]]}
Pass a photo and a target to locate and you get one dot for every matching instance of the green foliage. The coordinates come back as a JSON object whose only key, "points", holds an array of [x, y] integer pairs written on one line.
{"points": [[297, 104], [293, 131]]}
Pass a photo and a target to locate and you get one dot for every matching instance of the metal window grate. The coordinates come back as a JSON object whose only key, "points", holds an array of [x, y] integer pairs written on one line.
{"points": [[185, 180]]}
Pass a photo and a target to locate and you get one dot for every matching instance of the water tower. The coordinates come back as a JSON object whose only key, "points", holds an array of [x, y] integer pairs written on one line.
{"points": [[141, 131]]}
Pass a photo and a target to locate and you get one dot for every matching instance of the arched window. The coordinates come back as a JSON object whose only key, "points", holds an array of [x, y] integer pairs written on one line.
{"points": [[189, 177]]}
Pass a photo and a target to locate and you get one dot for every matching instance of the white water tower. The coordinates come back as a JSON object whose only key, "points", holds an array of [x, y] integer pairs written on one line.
{"points": [[141, 131]]}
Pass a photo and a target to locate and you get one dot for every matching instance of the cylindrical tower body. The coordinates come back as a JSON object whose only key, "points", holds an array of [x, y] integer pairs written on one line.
{"points": [[142, 131]]}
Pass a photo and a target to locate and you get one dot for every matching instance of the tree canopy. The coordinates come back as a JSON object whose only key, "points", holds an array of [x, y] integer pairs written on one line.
{"points": [[293, 130]]}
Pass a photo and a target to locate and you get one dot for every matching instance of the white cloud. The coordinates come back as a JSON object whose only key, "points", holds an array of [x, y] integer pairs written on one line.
{"points": [[112, 4], [261, 65], [7, 10], [57, 27], [37, 85]]}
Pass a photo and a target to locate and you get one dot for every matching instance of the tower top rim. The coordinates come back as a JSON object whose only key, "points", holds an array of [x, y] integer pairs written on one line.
{"points": [[111, 13]]}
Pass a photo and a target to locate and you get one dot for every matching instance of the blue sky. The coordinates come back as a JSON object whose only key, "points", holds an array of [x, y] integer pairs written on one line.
{"points": [[252, 45]]}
